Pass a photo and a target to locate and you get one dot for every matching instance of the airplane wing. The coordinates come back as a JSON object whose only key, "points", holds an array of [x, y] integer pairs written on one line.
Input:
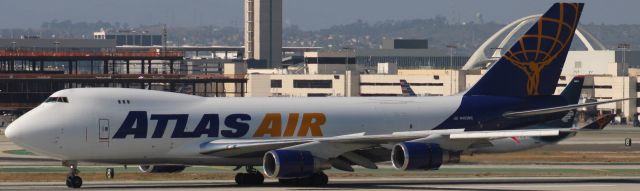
{"points": [[232, 147], [543, 111], [239, 148]]}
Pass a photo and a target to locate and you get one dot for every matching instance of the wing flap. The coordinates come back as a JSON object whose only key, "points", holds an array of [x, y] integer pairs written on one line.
{"points": [[502, 134]]}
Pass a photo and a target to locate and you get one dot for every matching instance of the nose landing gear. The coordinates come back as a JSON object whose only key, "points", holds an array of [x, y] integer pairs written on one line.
{"points": [[252, 177], [73, 180]]}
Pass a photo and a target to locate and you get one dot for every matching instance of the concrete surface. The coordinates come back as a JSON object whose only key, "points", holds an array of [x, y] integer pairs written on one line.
{"points": [[445, 184]]}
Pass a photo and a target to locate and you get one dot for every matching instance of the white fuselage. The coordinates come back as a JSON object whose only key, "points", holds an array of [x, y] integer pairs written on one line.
{"points": [[76, 130]]}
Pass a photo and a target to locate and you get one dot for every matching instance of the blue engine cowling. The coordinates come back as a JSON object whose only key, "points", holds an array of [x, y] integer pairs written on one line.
{"points": [[417, 156], [161, 168], [288, 163]]}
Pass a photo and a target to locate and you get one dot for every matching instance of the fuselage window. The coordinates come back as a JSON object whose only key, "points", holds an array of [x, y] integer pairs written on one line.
{"points": [[119, 102], [50, 99], [57, 99]]}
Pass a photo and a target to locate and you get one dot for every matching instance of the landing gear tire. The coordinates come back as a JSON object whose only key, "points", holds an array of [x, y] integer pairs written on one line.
{"points": [[249, 179], [319, 179], [287, 182], [74, 182]]}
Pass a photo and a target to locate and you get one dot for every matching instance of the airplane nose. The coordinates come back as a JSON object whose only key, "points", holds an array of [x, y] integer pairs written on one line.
{"points": [[15, 130], [30, 134], [24, 130], [10, 132], [26, 127], [37, 132]]}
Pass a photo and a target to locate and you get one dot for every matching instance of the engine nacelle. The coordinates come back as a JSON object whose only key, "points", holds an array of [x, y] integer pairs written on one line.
{"points": [[161, 168], [418, 156], [291, 164]]}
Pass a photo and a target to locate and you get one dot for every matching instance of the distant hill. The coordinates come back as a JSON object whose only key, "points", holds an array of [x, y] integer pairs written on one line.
{"points": [[466, 36], [440, 33]]}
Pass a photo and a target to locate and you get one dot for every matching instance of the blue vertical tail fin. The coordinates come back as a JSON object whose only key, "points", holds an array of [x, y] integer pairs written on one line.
{"points": [[406, 89], [533, 65]]}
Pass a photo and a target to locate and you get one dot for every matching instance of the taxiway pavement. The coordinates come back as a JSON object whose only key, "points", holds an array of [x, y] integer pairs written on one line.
{"points": [[433, 184]]}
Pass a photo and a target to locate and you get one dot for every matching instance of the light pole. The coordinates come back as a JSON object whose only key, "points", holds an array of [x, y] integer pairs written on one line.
{"points": [[451, 47], [346, 68], [346, 57], [13, 46], [56, 44], [623, 48]]}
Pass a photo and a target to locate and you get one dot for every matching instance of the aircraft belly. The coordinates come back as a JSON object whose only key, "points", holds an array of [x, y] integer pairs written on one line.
{"points": [[187, 161]]}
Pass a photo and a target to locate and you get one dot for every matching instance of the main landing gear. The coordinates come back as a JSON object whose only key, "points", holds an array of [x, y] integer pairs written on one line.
{"points": [[317, 179], [251, 177], [73, 180]]}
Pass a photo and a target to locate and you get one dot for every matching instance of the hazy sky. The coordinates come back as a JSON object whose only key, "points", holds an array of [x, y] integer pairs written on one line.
{"points": [[308, 14]]}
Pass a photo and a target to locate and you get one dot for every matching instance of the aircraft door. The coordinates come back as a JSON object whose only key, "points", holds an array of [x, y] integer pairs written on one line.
{"points": [[103, 130]]}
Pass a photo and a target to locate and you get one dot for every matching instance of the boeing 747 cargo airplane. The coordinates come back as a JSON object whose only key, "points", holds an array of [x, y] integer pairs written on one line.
{"points": [[296, 139]]}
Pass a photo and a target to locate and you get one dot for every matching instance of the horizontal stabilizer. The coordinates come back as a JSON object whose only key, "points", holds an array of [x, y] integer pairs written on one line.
{"points": [[556, 109], [599, 123]]}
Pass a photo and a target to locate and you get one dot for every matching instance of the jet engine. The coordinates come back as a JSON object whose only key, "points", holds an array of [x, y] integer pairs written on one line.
{"points": [[418, 156], [161, 168], [292, 164]]}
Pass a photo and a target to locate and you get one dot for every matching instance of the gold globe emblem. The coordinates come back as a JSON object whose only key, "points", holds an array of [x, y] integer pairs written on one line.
{"points": [[547, 47]]}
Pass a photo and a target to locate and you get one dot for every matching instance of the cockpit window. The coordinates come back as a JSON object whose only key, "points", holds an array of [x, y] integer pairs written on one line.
{"points": [[57, 99]]}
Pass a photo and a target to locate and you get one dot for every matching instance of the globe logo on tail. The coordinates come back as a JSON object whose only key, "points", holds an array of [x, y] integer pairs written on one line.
{"points": [[540, 47]]}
